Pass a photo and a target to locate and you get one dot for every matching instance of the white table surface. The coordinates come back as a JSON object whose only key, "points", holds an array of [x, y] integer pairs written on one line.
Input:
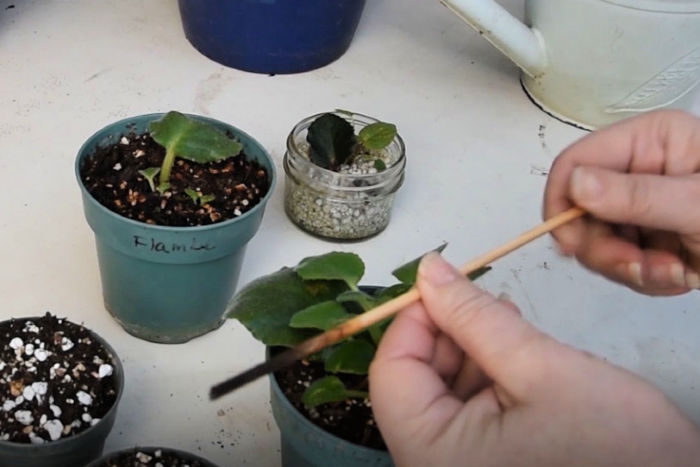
{"points": [[477, 153]]}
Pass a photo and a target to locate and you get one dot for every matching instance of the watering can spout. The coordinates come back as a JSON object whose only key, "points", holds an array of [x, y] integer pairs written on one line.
{"points": [[520, 43]]}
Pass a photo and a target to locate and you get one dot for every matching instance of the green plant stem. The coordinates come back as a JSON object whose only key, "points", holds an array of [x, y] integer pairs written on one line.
{"points": [[357, 394], [167, 166]]}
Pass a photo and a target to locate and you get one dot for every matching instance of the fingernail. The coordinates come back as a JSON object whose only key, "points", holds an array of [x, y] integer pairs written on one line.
{"points": [[665, 275], [678, 275], [692, 280], [585, 185], [435, 270], [635, 272]]}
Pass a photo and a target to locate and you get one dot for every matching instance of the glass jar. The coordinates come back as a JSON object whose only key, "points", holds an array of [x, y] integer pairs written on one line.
{"points": [[351, 204]]}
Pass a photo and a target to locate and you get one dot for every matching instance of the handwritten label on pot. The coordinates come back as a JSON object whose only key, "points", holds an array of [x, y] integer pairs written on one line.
{"points": [[153, 244]]}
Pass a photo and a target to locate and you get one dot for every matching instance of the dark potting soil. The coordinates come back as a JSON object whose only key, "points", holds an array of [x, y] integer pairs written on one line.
{"points": [[55, 380], [351, 420], [111, 175], [150, 458]]}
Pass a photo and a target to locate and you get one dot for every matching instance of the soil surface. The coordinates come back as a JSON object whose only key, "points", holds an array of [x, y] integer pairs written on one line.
{"points": [[149, 457], [111, 175], [351, 420], [55, 380]]}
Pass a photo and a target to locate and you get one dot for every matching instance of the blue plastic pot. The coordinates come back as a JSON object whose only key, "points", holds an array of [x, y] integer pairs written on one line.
{"points": [[271, 36], [74, 450], [168, 284], [304, 444]]}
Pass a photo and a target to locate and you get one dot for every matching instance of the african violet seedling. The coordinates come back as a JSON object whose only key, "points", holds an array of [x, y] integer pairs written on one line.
{"points": [[289, 306], [190, 139], [332, 141]]}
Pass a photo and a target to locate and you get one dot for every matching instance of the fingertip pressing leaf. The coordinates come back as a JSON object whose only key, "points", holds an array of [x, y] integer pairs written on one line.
{"points": [[331, 140], [407, 273], [150, 174], [323, 316], [351, 357], [328, 389], [335, 265], [377, 135]]}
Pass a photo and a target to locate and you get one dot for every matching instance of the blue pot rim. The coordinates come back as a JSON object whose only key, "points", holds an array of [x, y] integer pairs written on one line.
{"points": [[75, 438], [187, 455], [82, 152]]}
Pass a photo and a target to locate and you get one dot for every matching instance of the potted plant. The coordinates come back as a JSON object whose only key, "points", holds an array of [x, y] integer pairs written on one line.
{"points": [[151, 457], [342, 173], [60, 385], [173, 201], [282, 36], [321, 404]]}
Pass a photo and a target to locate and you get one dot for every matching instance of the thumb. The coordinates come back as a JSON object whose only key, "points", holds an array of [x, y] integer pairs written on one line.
{"points": [[663, 202], [506, 347]]}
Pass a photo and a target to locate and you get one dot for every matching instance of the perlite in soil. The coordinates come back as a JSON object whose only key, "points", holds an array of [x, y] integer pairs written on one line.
{"points": [[343, 171]]}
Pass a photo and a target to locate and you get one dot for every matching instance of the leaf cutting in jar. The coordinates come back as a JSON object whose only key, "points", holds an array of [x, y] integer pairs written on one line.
{"points": [[331, 141]]}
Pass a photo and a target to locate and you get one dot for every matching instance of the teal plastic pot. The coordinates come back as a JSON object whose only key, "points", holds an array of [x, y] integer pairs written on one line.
{"points": [[306, 445], [73, 451], [186, 456], [168, 284]]}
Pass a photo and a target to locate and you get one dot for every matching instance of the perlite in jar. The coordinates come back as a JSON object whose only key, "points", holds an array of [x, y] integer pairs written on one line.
{"points": [[349, 204]]}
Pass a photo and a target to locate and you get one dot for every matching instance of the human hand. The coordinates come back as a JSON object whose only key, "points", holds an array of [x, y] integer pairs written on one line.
{"points": [[461, 379], [640, 182]]}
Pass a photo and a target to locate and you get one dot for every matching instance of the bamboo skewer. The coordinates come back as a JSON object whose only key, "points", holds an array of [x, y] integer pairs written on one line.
{"points": [[383, 311]]}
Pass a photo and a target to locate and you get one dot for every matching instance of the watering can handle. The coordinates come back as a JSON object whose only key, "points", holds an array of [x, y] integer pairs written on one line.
{"points": [[520, 43]]}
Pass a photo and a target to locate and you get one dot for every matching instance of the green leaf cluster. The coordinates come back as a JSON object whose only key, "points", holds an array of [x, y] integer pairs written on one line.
{"points": [[190, 139], [333, 142], [289, 306]]}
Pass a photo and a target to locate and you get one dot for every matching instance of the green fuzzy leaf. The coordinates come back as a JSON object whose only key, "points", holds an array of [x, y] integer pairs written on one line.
{"points": [[150, 174], [323, 316], [189, 139], [328, 389], [193, 140], [366, 301], [351, 357], [193, 194], [393, 291], [377, 135], [335, 265], [266, 305], [379, 165], [204, 199], [331, 141], [407, 273], [377, 330]]}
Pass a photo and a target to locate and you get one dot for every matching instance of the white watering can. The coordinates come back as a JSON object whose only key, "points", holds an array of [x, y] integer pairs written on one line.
{"points": [[592, 62]]}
